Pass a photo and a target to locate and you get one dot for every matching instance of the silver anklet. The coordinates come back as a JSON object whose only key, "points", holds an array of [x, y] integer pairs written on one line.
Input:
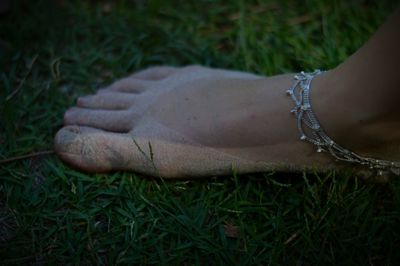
{"points": [[311, 131]]}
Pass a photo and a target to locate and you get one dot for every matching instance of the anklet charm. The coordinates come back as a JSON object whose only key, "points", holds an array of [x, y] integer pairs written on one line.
{"points": [[311, 131]]}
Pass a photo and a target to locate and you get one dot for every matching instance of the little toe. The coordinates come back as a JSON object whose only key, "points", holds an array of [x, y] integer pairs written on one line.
{"points": [[111, 120], [95, 150], [107, 100], [155, 73]]}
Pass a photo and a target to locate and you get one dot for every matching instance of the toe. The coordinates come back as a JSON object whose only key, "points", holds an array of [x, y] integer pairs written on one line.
{"points": [[155, 73], [95, 150], [91, 149], [111, 120], [107, 100]]}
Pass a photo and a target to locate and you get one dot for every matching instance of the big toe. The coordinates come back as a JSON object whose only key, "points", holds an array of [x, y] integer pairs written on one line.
{"points": [[95, 150]]}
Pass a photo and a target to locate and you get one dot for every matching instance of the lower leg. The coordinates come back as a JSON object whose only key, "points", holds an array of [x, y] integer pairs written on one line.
{"points": [[360, 110]]}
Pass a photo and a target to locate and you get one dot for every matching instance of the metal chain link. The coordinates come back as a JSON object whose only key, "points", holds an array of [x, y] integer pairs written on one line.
{"points": [[311, 131]]}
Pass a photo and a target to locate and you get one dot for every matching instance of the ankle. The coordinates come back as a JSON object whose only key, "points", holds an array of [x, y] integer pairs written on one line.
{"points": [[353, 119], [333, 108]]}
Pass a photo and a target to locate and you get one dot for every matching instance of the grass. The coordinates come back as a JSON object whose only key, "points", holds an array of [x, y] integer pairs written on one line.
{"points": [[54, 51]]}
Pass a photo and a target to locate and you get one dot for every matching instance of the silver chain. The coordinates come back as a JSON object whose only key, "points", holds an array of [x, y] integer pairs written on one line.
{"points": [[311, 131]]}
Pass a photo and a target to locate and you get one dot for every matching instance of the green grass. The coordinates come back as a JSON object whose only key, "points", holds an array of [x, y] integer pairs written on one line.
{"points": [[52, 214]]}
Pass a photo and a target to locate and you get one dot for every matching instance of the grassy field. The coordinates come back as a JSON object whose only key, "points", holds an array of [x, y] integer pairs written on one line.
{"points": [[54, 51]]}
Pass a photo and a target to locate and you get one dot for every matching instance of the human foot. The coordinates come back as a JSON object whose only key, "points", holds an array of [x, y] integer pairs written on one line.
{"points": [[191, 121]]}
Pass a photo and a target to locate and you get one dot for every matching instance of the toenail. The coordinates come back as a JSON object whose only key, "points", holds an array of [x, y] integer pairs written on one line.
{"points": [[66, 140]]}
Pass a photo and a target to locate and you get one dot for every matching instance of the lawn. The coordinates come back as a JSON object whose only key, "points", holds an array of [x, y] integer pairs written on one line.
{"points": [[51, 52]]}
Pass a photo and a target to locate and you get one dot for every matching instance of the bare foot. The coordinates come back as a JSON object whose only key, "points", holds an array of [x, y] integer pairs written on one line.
{"points": [[190, 122]]}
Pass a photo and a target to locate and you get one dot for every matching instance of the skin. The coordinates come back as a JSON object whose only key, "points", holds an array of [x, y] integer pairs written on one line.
{"points": [[196, 121]]}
